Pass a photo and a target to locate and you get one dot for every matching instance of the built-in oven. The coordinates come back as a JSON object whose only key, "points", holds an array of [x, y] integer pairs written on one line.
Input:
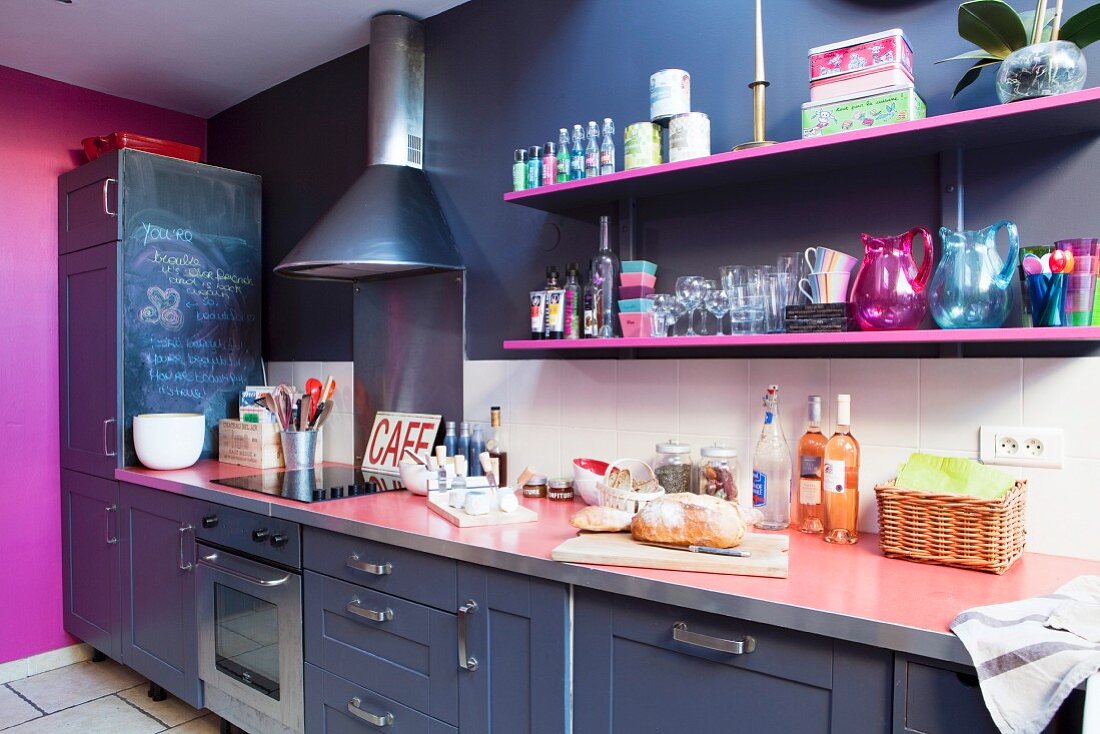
{"points": [[250, 619]]}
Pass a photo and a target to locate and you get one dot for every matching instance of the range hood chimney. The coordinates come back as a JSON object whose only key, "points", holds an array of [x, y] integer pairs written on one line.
{"points": [[388, 224]]}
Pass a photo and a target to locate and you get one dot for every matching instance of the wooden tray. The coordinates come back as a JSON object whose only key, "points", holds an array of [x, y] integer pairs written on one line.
{"points": [[438, 502], [769, 555]]}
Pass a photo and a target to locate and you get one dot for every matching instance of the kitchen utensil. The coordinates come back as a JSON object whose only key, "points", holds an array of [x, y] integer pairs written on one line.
{"points": [[284, 399], [323, 416], [769, 555], [409, 454], [313, 389], [731, 552], [889, 290], [970, 288], [166, 441], [299, 449], [437, 502], [414, 476], [329, 389], [268, 401], [1032, 265]]}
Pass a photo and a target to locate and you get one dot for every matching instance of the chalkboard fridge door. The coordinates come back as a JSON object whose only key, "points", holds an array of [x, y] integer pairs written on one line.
{"points": [[190, 289]]}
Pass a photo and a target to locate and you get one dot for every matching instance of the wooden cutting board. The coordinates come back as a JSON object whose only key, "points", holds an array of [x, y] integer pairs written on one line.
{"points": [[495, 517], [769, 555]]}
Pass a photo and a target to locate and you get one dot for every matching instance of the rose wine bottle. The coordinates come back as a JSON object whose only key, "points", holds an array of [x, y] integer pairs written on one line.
{"points": [[809, 466], [841, 478]]}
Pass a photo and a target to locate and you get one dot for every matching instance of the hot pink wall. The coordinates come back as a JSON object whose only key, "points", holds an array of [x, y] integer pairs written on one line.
{"points": [[41, 125]]}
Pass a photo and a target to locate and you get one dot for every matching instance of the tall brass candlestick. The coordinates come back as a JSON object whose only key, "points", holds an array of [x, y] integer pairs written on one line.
{"points": [[758, 85]]}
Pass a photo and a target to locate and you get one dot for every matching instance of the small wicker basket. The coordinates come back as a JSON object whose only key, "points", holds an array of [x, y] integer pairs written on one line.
{"points": [[952, 530], [625, 499]]}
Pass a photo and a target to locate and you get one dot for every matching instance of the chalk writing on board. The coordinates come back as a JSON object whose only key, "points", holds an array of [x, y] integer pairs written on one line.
{"points": [[163, 308]]}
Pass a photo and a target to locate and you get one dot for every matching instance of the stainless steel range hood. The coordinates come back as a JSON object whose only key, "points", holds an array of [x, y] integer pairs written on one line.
{"points": [[388, 223]]}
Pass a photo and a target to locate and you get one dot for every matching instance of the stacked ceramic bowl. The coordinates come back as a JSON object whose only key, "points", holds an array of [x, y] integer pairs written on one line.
{"points": [[637, 281]]}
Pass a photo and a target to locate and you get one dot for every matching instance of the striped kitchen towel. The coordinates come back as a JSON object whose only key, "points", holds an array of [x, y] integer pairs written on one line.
{"points": [[1031, 654]]}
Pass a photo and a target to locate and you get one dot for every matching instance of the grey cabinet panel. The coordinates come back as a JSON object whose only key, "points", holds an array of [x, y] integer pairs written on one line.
{"points": [[159, 635], [88, 204], [88, 360], [935, 700], [90, 570], [337, 706], [863, 680], [519, 637]]}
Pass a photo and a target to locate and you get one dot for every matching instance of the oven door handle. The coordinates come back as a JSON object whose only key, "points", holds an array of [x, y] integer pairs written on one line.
{"points": [[211, 561]]}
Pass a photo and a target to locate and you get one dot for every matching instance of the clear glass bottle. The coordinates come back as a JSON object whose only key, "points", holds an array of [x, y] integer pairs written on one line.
{"points": [[672, 466], [716, 473], [771, 468], [810, 466], [590, 326], [841, 478], [494, 444], [573, 304], [563, 156], [607, 278], [607, 147], [576, 154], [592, 151]]}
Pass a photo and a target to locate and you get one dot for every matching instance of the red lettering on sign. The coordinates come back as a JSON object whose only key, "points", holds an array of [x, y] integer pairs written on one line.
{"points": [[380, 431], [389, 456], [421, 444]]}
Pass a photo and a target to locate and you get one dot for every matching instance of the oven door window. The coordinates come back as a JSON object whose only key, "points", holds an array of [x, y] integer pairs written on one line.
{"points": [[246, 639]]}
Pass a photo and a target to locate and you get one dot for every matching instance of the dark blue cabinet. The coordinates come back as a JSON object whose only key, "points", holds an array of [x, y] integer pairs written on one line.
{"points": [[159, 636], [90, 560]]}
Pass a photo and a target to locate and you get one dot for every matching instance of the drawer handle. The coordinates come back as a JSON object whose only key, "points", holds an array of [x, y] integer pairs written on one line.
{"points": [[111, 540], [184, 563], [466, 662], [106, 204], [107, 451], [355, 607], [378, 569], [385, 719], [741, 646]]}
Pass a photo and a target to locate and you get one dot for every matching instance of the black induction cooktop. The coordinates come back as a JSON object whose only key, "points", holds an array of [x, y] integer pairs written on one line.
{"points": [[313, 485]]}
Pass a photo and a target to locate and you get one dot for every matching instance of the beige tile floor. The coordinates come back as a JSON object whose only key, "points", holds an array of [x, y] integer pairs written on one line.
{"points": [[94, 698]]}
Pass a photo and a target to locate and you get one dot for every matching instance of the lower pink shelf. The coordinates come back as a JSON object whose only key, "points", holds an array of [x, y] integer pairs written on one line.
{"points": [[923, 336]]}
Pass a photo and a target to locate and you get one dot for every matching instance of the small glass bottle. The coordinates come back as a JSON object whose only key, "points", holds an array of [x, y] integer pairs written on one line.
{"points": [[549, 162], [534, 167], [590, 326], [673, 466], [840, 483], [535, 488], [576, 154], [809, 465], [560, 489], [716, 473], [573, 304], [494, 444], [771, 468], [607, 147], [563, 156], [592, 151], [607, 278], [552, 306], [519, 170]]}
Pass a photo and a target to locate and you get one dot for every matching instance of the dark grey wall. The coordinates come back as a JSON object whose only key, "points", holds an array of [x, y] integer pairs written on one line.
{"points": [[502, 74]]}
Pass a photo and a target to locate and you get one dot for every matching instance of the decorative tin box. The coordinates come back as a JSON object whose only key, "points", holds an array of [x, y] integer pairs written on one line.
{"points": [[874, 110], [861, 83], [861, 53]]}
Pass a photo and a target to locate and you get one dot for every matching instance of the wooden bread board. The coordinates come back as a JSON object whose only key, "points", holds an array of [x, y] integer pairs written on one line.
{"points": [[769, 555], [438, 502]]}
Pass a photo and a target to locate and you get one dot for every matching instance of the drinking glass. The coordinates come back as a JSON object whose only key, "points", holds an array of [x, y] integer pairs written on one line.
{"points": [[662, 311], [689, 291], [718, 303], [733, 275], [773, 305], [746, 309], [709, 286]]}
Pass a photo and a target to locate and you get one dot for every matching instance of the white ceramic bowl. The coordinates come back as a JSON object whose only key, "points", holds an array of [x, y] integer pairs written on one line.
{"points": [[414, 476], [588, 489], [167, 441]]}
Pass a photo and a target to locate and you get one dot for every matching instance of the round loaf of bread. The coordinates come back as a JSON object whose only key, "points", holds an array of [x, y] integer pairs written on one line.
{"points": [[689, 519]]}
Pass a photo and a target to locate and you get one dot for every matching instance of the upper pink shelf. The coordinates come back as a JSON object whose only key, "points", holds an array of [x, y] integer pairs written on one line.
{"points": [[1065, 114], [922, 336]]}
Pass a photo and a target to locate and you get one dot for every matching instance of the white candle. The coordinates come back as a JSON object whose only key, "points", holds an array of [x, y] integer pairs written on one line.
{"points": [[759, 43]]}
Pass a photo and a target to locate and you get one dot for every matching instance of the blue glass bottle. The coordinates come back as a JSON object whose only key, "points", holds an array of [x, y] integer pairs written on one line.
{"points": [[576, 154]]}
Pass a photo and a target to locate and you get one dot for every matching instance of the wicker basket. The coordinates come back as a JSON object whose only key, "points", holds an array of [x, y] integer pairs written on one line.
{"points": [[952, 530], [625, 499]]}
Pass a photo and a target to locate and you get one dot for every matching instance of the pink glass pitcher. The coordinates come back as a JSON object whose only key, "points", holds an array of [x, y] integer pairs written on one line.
{"points": [[889, 290]]}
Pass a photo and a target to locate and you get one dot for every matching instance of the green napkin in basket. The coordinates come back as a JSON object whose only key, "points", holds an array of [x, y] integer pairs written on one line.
{"points": [[929, 473]]}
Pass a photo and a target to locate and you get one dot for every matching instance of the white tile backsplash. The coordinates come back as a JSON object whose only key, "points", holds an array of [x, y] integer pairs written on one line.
{"points": [[713, 397], [344, 375], [1065, 393], [958, 395], [534, 392], [885, 397], [589, 390], [646, 396]]}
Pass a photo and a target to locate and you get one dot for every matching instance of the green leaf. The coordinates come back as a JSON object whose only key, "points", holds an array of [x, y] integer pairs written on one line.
{"points": [[1083, 28], [992, 25], [969, 55], [1028, 19], [972, 74]]}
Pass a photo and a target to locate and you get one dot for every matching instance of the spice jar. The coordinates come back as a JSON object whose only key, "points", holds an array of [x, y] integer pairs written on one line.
{"points": [[717, 472], [560, 489], [535, 488], [673, 466]]}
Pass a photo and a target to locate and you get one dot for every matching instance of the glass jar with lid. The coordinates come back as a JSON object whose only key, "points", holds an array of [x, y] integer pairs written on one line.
{"points": [[717, 471], [673, 466]]}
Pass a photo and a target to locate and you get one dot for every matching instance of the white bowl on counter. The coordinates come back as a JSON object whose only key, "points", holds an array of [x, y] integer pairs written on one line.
{"points": [[414, 476], [166, 441]]}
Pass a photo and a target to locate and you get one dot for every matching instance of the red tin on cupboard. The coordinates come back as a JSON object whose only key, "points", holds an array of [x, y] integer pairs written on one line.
{"points": [[856, 54], [857, 83]]}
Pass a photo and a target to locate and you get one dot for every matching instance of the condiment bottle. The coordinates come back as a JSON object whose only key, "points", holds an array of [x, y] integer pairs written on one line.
{"points": [[717, 472], [519, 170], [673, 466], [590, 322], [559, 489], [592, 151], [494, 444], [535, 487], [573, 303], [607, 147], [576, 154], [549, 163], [534, 167], [563, 156]]}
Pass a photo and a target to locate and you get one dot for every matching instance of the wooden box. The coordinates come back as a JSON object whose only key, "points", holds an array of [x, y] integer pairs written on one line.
{"points": [[254, 445]]}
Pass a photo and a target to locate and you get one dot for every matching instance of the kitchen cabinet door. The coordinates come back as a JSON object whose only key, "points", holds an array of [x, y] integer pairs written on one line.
{"points": [[88, 351], [514, 673], [159, 635], [90, 560], [88, 199]]}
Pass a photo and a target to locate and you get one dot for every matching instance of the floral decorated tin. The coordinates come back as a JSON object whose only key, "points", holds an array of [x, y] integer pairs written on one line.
{"points": [[861, 53], [874, 110], [860, 83]]}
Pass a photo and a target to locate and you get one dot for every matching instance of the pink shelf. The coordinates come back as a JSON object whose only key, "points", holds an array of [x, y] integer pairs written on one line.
{"points": [[1065, 114], [925, 336]]}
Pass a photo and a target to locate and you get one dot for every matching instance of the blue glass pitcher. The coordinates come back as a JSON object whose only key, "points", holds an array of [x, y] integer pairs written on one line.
{"points": [[970, 289]]}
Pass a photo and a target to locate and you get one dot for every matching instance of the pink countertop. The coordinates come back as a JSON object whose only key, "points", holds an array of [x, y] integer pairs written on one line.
{"points": [[849, 592]]}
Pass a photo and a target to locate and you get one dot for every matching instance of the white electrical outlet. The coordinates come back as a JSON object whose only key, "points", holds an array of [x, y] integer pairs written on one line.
{"points": [[1021, 446]]}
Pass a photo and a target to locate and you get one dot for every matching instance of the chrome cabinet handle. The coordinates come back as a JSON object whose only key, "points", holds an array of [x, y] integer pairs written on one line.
{"points": [[355, 607], [211, 560], [184, 564], [106, 204], [741, 646], [107, 451], [109, 509], [466, 662], [378, 569], [385, 719]]}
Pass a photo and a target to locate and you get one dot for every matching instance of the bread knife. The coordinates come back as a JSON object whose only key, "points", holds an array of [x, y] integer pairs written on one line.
{"points": [[703, 549]]}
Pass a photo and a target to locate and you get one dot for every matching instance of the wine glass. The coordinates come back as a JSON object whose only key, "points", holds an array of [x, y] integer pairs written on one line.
{"points": [[718, 303], [676, 310], [689, 291]]}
